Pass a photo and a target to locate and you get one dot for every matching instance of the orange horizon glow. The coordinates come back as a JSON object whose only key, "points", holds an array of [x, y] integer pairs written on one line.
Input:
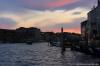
{"points": [[71, 30]]}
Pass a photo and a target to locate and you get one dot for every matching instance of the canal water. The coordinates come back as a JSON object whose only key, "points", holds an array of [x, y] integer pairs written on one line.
{"points": [[40, 54]]}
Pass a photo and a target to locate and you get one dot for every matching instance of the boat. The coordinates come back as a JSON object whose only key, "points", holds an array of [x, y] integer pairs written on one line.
{"points": [[29, 42]]}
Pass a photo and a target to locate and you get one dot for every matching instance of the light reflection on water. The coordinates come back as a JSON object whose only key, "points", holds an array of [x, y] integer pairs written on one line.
{"points": [[40, 54]]}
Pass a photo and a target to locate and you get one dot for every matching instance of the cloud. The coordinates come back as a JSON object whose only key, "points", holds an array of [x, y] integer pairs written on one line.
{"points": [[87, 4], [9, 6], [59, 3], [47, 20], [7, 23], [21, 6], [44, 13], [45, 4], [76, 13], [73, 26]]}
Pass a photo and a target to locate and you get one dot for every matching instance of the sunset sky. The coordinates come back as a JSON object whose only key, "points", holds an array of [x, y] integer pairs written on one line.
{"points": [[48, 15]]}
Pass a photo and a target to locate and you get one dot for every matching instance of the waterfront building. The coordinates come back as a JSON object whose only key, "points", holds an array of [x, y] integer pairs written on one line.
{"points": [[20, 35], [91, 27], [29, 34], [84, 30]]}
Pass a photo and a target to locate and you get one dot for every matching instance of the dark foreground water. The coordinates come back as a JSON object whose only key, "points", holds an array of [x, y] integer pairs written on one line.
{"points": [[40, 54]]}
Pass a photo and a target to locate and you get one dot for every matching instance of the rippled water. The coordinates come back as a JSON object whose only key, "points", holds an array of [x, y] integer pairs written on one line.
{"points": [[40, 54]]}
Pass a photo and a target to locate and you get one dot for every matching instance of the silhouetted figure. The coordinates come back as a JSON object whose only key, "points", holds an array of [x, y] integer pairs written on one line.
{"points": [[50, 42]]}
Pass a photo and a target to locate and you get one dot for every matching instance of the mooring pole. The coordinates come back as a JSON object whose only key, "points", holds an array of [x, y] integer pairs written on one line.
{"points": [[61, 36], [62, 42]]}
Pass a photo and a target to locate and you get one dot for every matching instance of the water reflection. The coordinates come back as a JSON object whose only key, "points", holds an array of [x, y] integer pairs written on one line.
{"points": [[41, 54]]}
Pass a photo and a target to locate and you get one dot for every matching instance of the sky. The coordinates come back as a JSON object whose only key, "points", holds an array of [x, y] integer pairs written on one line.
{"points": [[48, 15]]}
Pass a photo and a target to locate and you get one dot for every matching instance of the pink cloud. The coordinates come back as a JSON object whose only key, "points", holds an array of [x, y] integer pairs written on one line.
{"points": [[5, 26], [43, 4], [59, 3]]}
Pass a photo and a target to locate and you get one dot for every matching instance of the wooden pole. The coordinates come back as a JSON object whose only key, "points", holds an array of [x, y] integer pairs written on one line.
{"points": [[61, 36], [62, 42]]}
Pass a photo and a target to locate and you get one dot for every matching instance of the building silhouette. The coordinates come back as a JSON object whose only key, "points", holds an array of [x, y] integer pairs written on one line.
{"points": [[90, 29], [20, 35], [29, 34]]}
